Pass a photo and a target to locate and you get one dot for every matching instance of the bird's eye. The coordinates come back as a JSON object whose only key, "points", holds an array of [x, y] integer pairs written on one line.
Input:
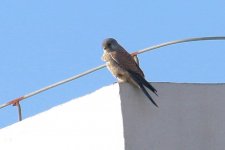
{"points": [[109, 44]]}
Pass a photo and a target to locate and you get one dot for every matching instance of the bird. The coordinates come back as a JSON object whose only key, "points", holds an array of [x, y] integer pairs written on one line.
{"points": [[123, 67]]}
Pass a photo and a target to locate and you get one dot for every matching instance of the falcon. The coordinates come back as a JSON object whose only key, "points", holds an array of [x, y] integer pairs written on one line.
{"points": [[122, 65]]}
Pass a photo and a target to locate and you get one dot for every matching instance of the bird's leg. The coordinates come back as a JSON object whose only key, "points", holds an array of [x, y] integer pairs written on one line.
{"points": [[121, 78]]}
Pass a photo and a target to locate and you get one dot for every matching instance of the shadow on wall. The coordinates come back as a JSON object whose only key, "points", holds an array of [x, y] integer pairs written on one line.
{"points": [[189, 117]]}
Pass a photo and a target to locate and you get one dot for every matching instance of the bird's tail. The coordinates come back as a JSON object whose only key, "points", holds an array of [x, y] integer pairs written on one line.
{"points": [[142, 82], [139, 78]]}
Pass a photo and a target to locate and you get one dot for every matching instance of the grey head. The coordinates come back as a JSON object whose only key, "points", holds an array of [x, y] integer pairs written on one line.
{"points": [[110, 45]]}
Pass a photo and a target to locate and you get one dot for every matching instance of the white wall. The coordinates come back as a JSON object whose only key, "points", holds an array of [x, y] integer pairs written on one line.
{"points": [[189, 117], [92, 122]]}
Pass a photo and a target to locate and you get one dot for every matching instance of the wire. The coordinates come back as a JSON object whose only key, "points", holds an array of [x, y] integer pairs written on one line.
{"points": [[15, 101]]}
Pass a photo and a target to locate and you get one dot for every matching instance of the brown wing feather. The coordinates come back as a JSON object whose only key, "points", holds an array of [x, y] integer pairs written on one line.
{"points": [[125, 60]]}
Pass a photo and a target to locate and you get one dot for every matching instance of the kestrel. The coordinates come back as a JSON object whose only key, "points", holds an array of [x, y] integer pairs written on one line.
{"points": [[122, 65]]}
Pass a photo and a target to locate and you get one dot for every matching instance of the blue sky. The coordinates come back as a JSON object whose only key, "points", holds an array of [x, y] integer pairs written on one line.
{"points": [[45, 41]]}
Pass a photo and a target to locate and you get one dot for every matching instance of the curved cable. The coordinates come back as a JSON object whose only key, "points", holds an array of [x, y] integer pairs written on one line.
{"points": [[17, 100]]}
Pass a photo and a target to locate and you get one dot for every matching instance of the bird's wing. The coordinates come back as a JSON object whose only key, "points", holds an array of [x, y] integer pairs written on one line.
{"points": [[125, 61]]}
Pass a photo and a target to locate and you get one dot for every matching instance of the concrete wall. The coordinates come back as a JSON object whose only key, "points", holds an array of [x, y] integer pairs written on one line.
{"points": [[189, 117]]}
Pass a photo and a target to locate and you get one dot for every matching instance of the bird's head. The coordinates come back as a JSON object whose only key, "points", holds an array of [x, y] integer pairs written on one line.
{"points": [[110, 45]]}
